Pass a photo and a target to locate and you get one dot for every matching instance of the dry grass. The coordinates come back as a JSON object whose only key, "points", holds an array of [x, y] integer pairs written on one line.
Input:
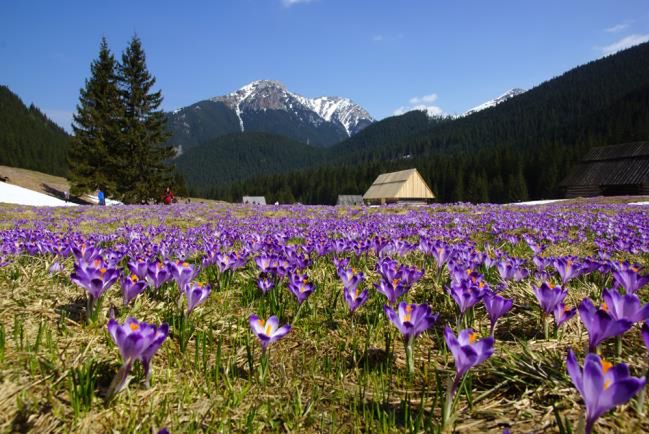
{"points": [[330, 374]]}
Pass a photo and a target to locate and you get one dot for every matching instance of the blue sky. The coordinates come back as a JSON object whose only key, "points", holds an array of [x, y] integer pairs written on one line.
{"points": [[387, 55]]}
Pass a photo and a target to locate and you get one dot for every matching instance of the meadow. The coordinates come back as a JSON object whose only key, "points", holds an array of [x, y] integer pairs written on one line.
{"points": [[135, 319]]}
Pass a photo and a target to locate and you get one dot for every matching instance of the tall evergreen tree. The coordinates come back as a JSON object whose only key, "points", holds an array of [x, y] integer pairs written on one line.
{"points": [[143, 172], [96, 128]]}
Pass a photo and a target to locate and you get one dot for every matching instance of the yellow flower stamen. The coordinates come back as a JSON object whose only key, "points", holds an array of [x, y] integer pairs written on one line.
{"points": [[606, 365], [134, 326], [268, 330], [134, 277], [473, 337], [604, 306], [607, 384]]}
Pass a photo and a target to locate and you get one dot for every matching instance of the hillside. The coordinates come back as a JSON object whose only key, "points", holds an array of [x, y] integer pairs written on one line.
{"points": [[28, 138], [516, 150], [241, 156]]}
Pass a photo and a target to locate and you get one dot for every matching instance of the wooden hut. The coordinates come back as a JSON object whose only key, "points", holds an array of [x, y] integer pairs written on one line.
{"points": [[615, 170], [255, 200], [406, 186], [350, 200]]}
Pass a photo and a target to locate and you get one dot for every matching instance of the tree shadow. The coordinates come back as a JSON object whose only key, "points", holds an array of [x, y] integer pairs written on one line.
{"points": [[76, 310], [374, 359], [59, 194]]}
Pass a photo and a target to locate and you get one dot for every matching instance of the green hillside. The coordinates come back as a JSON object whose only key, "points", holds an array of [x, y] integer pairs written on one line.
{"points": [[240, 156], [28, 139]]}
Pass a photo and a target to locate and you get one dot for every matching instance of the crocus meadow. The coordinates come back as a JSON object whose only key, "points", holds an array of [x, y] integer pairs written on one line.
{"points": [[220, 318]]}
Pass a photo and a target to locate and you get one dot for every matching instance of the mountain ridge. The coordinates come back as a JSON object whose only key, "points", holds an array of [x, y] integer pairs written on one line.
{"points": [[267, 106]]}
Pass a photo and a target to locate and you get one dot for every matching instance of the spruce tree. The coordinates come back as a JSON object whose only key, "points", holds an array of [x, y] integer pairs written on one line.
{"points": [[96, 128], [143, 172]]}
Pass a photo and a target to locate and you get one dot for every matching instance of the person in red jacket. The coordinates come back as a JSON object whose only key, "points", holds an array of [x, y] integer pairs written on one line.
{"points": [[168, 196]]}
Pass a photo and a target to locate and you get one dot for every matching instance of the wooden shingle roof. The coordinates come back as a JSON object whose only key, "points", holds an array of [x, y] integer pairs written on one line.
{"points": [[625, 164]]}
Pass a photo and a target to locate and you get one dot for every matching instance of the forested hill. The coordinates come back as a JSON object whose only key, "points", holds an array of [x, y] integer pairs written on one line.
{"points": [[517, 150], [28, 139], [241, 156]]}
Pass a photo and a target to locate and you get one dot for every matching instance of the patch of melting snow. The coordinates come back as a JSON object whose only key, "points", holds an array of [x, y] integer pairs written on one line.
{"points": [[15, 194], [538, 202]]}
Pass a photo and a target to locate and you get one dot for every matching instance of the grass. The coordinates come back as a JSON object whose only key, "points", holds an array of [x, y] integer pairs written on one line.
{"points": [[330, 374]]}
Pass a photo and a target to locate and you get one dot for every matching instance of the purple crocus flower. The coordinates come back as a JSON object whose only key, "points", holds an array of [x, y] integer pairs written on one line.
{"points": [[157, 274], [136, 341], [85, 254], [467, 351], [496, 306], [56, 267], [139, 267], [131, 287], [264, 283], [300, 286], [182, 272], [224, 262], [392, 290], [268, 331], [567, 268], [442, 253], [265, 262], [628, 276], [466, 294], [350, 278], [354, 299], [549, 296], [95, 279], [196, 293], [601, 385], [411, 319], [563, 313], [624, 306], [600, 324]]}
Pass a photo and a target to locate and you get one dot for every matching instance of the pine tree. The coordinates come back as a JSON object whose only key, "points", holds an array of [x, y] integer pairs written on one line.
{"points": [[141, 157], [96, 128]]}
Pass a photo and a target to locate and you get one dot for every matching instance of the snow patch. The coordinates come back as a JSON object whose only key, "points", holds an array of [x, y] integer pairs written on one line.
{"points": [[538, 202], [15, 194]]}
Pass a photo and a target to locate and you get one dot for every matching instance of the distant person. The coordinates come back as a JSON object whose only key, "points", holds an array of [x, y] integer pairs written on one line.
{"points": [[168, 197], [101, 198], [66, 196]]}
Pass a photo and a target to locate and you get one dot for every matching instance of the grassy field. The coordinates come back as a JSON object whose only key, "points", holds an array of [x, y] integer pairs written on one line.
{"points": [[334, 371]]}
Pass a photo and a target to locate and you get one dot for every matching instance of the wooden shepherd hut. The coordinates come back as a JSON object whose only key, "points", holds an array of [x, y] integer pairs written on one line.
{"points": [[406, 186], [616, 170]]}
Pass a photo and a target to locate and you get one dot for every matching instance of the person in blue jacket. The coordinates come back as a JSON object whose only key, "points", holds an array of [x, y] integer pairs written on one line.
{"points": [[101, 198]]}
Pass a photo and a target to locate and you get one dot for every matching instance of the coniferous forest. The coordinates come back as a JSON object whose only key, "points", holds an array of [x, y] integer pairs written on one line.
{"points": [[28, 139], [519, 150]]}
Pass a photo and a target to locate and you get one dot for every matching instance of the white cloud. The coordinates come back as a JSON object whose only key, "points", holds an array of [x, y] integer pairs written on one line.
{"points": [[617, 28], [62, 118], [423, 99], [422, 103], [626, 42], [377, 38], [289, 3]]}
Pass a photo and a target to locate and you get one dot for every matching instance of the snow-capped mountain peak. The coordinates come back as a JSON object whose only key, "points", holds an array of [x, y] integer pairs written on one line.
{"points": [[494, 102], [262, 95]]}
